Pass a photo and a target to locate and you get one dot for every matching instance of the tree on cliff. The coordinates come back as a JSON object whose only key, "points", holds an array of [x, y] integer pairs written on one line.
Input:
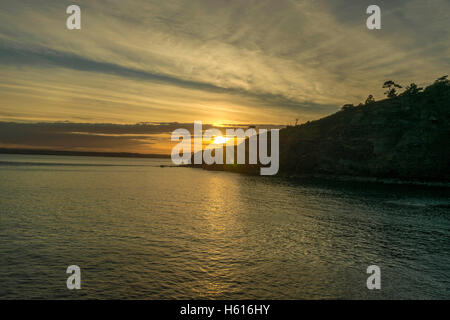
{"points": [[347, 106], [412, 89], [439, 86], [369, 100], [443, 81], [392, 88]]}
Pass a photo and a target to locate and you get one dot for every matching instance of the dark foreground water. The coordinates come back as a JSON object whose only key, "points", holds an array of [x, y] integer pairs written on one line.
{"points": [[140, 231]]}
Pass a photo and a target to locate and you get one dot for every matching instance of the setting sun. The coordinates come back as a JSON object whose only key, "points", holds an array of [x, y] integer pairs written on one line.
{"points": [[220, 140]]}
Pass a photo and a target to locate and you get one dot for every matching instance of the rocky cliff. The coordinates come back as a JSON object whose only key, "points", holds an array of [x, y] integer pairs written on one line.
{"points": [[403, 137]]}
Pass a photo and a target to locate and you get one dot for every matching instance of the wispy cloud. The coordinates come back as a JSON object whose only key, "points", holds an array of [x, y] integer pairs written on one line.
{"points": [[106, 137], [46, 58], [232, 61]]}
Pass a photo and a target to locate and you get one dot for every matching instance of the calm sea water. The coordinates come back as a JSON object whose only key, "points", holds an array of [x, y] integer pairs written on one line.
{"points": [[141, 231]]}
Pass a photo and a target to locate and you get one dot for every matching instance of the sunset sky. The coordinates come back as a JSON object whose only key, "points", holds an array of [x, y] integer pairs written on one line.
{"points": [[221, 62]]}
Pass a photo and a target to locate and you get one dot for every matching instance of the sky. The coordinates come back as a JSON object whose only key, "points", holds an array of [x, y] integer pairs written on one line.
{"points": [[221, 62]]}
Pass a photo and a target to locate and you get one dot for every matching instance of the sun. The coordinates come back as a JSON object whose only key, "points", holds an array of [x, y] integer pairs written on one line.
{"points": [[220, 140]]}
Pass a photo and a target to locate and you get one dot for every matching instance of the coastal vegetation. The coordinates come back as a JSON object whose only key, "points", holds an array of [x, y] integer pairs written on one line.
{"points": [[405, 136]]}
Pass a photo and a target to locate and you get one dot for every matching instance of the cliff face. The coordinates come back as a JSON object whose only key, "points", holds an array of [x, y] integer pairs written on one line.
{"points": [[406, 137]]}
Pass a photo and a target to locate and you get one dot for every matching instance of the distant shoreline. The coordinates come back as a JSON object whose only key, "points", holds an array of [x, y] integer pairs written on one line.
{"points": [[81, 153]]}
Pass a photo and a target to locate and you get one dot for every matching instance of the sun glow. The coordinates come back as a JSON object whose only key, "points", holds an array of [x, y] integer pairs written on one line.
{"points": [[220, 140]]}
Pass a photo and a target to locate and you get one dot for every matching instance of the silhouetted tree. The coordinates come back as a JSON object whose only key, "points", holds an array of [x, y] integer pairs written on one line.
{"points": [[442, 81], [392, 88], [412, 89], [439, 86], [347, 106], [369, 99]]}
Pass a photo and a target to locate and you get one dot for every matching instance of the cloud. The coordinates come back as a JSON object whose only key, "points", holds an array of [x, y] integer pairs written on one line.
{"points": [[50, 58], [106, 137], [231, 61], [71, 136]]}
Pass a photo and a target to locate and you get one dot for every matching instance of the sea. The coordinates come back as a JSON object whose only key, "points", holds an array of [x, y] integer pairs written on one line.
{"points": [[140, 229]]}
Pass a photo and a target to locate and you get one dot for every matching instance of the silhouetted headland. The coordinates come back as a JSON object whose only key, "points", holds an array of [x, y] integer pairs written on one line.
{"points": [[405, 137]]}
